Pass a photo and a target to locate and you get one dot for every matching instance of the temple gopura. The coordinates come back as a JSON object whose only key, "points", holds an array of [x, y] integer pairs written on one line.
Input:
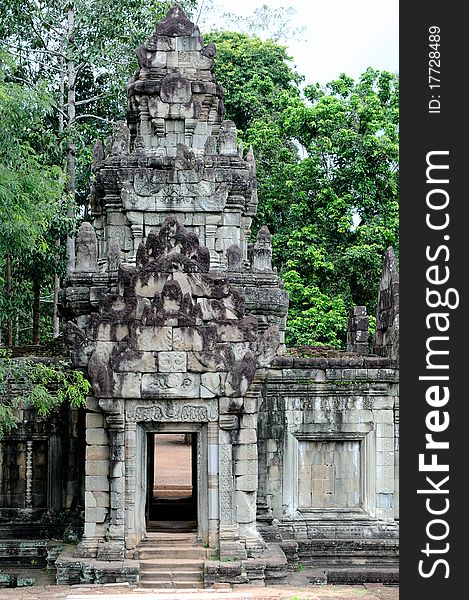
{"points": [[179, 320]]}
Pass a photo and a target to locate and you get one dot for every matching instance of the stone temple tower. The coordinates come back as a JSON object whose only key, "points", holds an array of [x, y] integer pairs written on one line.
{"points": [[175, 313], [171, 309]]}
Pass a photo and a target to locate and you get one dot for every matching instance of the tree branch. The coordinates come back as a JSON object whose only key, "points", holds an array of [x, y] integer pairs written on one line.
{"points": [[90, 116], [42, 20], [88, 100], [37, 50], [38, 62]]}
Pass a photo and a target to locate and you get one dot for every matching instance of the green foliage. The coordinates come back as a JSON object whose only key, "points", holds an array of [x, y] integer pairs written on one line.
{"points": [[32, 205], [316, 178], [327, 168], [314, 318], [44, 387], [253, 73], [29, 187]]}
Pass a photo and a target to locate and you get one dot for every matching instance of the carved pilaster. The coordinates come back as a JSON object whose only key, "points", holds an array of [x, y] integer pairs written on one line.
{"points": [[113, 548], [29, 474], [131, 540]]}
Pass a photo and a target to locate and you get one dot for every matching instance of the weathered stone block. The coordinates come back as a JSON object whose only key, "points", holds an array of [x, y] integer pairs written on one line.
{"points": [[97, 452], [247, 483], [97, 468], [101, 498], [150, 285], [229, 422], [171, 385], [95, 515], [96, 483], [187, 338], [96, 437], [154, 339], [127, 385], [131, 361], [94, 420], [245, 506], [212, 381], [249, 421]]}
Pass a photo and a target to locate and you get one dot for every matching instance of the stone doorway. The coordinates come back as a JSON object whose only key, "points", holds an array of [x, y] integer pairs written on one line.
{"points": [[172, 481]]}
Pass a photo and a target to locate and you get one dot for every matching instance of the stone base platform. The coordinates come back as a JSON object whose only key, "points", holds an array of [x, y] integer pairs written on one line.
{"points": [[72, 570]]}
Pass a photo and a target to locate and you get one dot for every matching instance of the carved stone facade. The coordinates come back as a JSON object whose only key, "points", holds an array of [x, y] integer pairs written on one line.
{"points": [[179, 322]]}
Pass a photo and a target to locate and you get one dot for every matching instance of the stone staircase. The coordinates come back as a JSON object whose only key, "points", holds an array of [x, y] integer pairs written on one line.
{"points": [[171, 560]]}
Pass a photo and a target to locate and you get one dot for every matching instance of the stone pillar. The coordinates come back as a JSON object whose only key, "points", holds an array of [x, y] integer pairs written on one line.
{"points": [[226, 483], [213, 484], [132, 537], [113, 548], [96, 482], [230, 546], [262, 252], [246, 466], [29, 474]]}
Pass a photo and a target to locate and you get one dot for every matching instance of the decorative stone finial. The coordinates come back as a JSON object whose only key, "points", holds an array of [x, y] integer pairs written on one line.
{"points": [[120, 139], [113, 256], [234, 257], [262, 251], [175, 23], [86, 250], [228, 141], [357, 330], [386, 339], [250, 159], [98, 155]]}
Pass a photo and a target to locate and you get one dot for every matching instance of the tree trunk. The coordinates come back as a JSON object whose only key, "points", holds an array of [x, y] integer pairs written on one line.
{"points": [[55, 316], [36, 313], [55, 313], [71, 149], [9, 296]]}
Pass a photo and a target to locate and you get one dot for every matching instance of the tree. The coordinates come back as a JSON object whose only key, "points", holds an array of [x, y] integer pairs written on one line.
{"points": [[31, 191], [343, 210], [265, 22], [42, 387], [259, 83], [327, 170], [253, 73]]}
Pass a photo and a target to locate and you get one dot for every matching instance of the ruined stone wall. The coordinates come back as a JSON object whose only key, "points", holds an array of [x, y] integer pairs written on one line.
{"points": [[386, 339], [41, 467], [327, 453]]}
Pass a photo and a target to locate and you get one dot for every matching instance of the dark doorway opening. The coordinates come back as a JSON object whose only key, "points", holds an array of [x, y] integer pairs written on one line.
{"points": [[172, 481]]}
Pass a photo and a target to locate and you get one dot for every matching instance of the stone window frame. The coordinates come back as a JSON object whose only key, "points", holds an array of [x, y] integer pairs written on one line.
{"points": [[53, 493], [367, 439]]}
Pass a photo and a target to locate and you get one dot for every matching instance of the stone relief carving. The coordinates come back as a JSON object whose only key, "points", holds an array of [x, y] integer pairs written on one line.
{"points": [[226, 483], [171, 411]]}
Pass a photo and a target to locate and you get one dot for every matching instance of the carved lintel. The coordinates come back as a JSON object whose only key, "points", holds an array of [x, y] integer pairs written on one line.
{"points": [[172, 411]]}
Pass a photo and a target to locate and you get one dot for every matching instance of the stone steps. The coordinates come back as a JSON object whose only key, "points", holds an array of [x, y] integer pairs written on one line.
{"points": [[181, 551], [171, 561]]}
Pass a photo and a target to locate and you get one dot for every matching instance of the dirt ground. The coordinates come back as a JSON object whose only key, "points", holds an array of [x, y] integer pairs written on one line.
{"points": [[124, 592], [172, 464]]}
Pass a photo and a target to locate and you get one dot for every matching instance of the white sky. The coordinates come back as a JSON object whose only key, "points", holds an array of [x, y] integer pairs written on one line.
{"points": [[341, 36]]}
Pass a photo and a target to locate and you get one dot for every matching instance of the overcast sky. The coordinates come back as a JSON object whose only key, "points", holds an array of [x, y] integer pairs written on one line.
{"points": [[340, 35]]}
